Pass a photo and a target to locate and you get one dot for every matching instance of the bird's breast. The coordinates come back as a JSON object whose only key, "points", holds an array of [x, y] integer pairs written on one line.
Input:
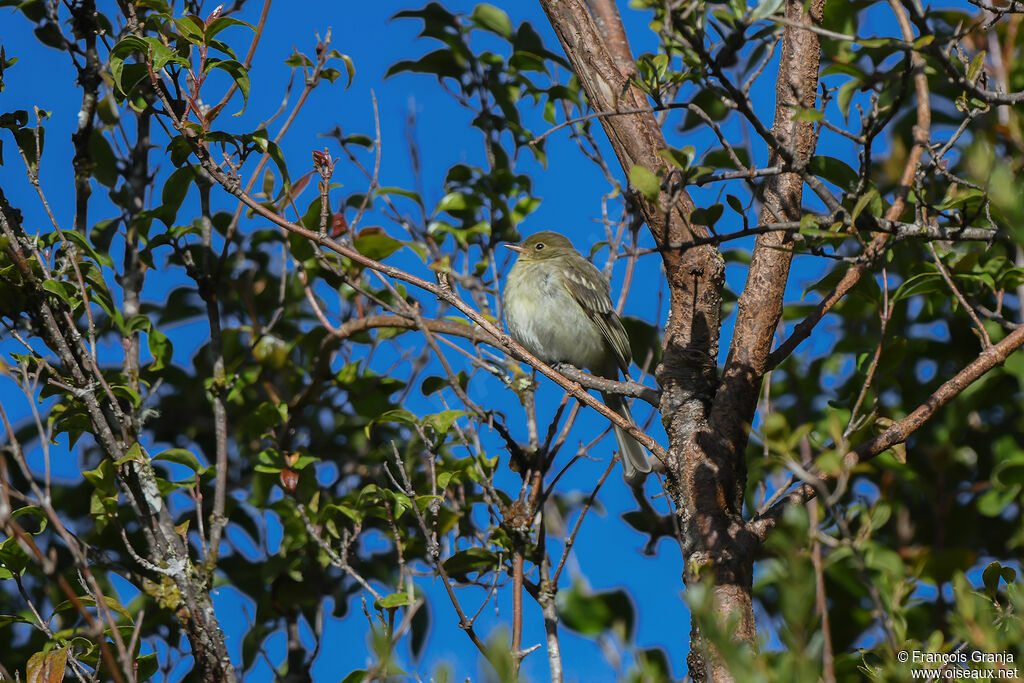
{"points": [[545, 319]]}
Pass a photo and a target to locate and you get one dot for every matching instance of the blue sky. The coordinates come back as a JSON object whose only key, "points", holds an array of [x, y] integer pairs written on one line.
{"points": [[607, 551]]}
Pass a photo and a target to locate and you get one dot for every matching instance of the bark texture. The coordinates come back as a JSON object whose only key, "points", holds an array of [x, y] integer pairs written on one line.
{"points": [[167, 559], [707, 421]]}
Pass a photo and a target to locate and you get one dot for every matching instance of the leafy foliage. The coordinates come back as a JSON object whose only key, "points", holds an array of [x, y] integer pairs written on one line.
{"points": [[305, 452]]}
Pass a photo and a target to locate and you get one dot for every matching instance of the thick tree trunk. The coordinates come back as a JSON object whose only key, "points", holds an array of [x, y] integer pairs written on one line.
{"points": [[707, 425]]}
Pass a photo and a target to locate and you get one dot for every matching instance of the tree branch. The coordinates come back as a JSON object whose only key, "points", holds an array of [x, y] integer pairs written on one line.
{"points": [[877, 247], [83, 17], [899, 431], [609, 23], [136, 476], [232, 185], [760, 304]]}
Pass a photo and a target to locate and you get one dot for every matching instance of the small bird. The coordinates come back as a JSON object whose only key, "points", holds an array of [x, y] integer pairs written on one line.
{"points": [[558, 308]]}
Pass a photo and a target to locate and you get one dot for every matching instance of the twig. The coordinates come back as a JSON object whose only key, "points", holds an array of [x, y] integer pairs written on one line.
{"points": [[900, 430], [884, 317], [433, 551], [876, 248], [374, 179], [232, 186], [986, 342], [571, 540], [339, 561], [247, 63], [821, 600]]}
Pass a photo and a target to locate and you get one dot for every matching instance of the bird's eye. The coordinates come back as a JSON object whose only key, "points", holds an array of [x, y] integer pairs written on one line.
{"points": [[539, 246]]}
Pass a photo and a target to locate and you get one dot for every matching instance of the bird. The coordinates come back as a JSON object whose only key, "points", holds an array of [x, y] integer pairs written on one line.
{"points": [[557, 307]]}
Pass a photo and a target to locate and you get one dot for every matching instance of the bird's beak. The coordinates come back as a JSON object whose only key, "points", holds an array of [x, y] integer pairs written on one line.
{"points": [[517, 247]]}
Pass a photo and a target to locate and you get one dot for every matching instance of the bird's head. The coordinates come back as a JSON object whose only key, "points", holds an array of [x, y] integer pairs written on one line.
{"points": [[543, 245]]}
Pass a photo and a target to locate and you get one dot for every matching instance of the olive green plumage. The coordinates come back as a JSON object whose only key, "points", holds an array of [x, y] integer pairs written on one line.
{"points": [[557, 306]]}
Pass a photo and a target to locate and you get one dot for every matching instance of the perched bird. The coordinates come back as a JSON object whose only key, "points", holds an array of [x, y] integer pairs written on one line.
{"points": [[557, 307]]}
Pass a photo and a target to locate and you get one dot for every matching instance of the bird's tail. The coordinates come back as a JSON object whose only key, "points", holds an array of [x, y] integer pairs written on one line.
{"points": [[634, 459]]}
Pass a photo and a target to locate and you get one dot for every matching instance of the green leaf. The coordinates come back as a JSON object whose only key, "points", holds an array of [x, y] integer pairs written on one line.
{"points": [[398, 415], [645, 181], [867, 198], [401, 192], [162, 55], [811, 115], [765, 9], [834, 171], [237, 71], [137, 323], [582, 612], [173, 194], [707, 216], [442, 63], [146, 666], [30, 146], [469, 560], [159, 6], [735, 204], [922, 283], [180, 456], [435, 383], [64, 290], [34, 10], [6, 619], [298, 59], [350, 67], [89, 601], [102, 478], [420, 629], [99, 236], [134, 454], [104, 167], [523, 208], [453, 201], [643, 340], [191, 28], [13, 559], [122, 49], [32, 511], [14, 119], [442, 422], [271, 148], [1009, 473], [680, 158], [376, 245], [990, 578], [392, 601], [434, 14], [975, 66], [490, 18], [711, 103], [875, 42], [221, 23], [160, 348], [959, 198], [846, 92]]}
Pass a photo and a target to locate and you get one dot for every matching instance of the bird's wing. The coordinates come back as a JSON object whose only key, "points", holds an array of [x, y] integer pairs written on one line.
{"points": [[596, 303]]}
